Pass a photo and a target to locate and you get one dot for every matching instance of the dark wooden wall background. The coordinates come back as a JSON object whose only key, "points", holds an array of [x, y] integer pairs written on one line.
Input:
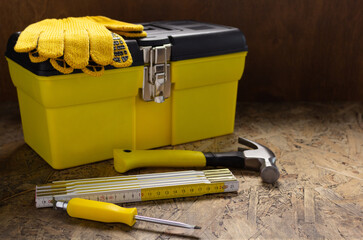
{"points": [[298, 49]]}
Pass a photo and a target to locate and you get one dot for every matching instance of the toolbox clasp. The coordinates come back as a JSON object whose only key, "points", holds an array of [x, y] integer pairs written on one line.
{"points": [[156, 83]]}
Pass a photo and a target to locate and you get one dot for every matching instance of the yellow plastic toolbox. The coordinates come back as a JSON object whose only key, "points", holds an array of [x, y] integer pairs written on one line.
{"points": [[181, 87]]}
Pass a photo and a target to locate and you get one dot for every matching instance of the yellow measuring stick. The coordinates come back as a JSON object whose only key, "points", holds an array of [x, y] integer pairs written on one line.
{"points": [[134, 188]]}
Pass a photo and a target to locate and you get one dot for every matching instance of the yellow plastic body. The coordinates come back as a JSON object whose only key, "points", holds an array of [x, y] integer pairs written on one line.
{"points": [[125, 160], [70, 120], [100, 211]]}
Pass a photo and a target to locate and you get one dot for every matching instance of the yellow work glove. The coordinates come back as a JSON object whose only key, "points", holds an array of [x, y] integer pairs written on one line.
{"points": [[122, 28], [121, 54], [70, 42]]}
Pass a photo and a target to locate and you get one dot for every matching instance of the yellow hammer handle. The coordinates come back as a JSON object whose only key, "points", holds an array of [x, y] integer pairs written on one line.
{"points": [[125, 160], [100, 211]]}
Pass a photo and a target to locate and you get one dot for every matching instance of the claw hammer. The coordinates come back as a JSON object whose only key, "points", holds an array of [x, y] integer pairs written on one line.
{"points": [[258, 158]]}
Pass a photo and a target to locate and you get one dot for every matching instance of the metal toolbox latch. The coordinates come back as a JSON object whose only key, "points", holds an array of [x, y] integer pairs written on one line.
{"points": [[157, 83]]}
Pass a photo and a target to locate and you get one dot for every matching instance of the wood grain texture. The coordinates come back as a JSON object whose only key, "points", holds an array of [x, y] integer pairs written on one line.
{"points": [[319, 194], [309, 205], [298, 50]]}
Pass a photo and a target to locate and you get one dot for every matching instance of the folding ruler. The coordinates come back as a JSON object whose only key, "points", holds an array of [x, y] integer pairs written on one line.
{"points": [[134, 188]]}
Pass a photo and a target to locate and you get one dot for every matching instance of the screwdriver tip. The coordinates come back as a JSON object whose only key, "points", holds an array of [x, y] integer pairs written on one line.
{"points": [[197, 227]]}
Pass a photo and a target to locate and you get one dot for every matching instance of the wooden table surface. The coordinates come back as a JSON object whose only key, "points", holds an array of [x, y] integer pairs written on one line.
{"points": [[319, 149]]}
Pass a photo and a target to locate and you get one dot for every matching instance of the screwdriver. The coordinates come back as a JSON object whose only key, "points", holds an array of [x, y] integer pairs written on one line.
{"points": [[109, 212]]}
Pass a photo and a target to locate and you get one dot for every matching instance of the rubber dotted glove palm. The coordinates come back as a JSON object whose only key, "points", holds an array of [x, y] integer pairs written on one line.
{"points": [[74, 43]]}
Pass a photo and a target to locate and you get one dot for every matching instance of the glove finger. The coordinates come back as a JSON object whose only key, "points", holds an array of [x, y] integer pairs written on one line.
{"points": [[117, 25], [28, 39], [35, 57], [131, 34], [94, 70], [101, 44], [61, 65], [122, 56], [51, 40], [76, 45]]}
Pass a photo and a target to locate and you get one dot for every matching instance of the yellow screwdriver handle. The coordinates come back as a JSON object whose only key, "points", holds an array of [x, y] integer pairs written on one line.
{"points": [[125, 160], [100, 211]]}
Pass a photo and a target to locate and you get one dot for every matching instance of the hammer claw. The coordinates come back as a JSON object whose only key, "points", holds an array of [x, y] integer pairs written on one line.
{"points": [[248, 143]]}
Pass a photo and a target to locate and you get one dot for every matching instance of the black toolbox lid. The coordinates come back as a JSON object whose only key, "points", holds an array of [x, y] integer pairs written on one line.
{"points": [[192, 39], [189, 40]]}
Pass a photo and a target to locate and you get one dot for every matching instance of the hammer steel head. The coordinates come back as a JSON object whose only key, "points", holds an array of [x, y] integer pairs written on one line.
{"points": [[260, 157]]}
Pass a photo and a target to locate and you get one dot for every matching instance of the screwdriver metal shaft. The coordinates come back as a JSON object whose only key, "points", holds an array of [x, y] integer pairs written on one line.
{"points": [[166, 222]]}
